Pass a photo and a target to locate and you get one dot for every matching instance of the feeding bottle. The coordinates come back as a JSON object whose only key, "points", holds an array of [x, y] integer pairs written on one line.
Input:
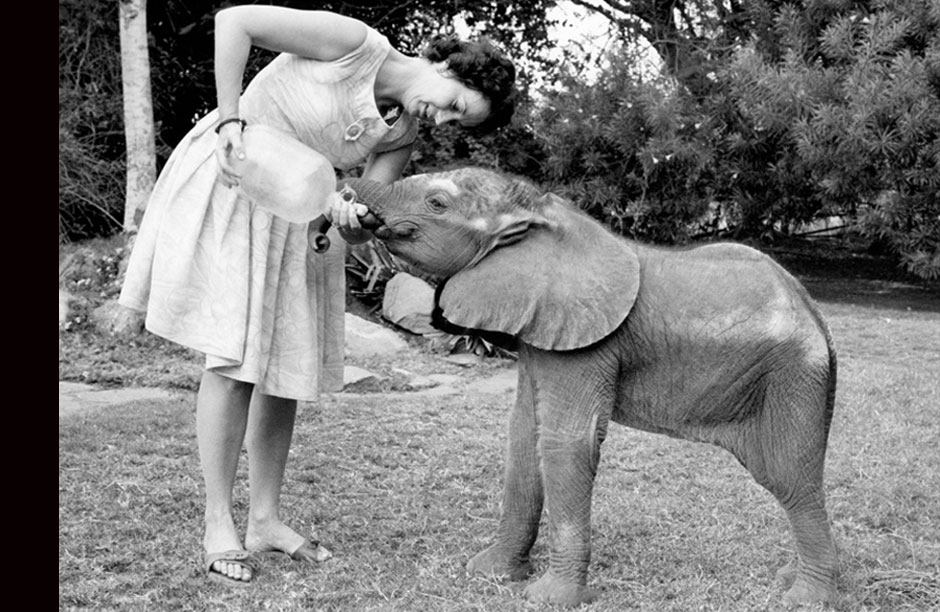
{"points": [[283, 175]]}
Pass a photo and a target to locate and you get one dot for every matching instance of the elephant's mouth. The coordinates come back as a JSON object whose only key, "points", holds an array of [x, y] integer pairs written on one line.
{"points": [[396, 231], [371, 221], [376, 225], [383, 231]]}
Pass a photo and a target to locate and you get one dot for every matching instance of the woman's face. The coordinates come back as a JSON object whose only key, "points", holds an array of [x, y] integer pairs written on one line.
{"points": [[440, 97]]}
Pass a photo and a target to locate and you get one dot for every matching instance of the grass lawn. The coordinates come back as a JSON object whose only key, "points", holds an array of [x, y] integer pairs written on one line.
{"points": [[405, 489]]}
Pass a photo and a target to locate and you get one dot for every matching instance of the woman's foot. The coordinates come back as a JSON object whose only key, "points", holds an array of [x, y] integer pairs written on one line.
{"points": [[226, 560], [276, 536], [221, 537]]}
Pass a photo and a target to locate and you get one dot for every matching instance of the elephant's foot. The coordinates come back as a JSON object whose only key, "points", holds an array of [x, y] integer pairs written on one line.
{"points": [[808, 592], [497, 562], [806, 588], [557, 590]]}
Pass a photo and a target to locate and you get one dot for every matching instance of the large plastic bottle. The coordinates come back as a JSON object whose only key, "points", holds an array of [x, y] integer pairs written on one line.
{"points": [[283, 175]]}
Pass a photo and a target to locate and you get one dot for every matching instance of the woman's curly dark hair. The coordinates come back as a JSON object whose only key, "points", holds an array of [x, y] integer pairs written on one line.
{"points": [[481, 66]]}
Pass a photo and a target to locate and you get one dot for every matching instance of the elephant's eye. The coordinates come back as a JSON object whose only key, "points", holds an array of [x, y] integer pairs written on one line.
{"points": [[436, 202]]}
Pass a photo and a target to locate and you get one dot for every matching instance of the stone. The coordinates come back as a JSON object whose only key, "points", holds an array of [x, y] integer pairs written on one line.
{"points": [[504, 382], [421, 382], [353, 375], [408, 302], [64, 306], [113, 319], [367, 339], [464, 359]]}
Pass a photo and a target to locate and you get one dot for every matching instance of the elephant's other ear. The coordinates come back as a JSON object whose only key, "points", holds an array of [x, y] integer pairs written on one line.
{"points": [[562, 285]]}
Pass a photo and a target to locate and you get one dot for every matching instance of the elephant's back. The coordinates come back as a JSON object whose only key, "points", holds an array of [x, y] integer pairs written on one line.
{"points": [[722, 290]]}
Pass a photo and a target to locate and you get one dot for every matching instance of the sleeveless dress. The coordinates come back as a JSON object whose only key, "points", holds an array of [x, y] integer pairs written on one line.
{"points": [[220, 275]]}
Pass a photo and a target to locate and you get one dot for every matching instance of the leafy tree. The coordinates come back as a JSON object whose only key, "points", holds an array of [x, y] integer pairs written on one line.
{"points": [[798, 108], [855, 93], [633, 154]]}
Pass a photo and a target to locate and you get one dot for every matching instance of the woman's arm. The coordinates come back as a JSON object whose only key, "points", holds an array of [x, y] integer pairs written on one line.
{"points": [[387, 167], [316, 34]]}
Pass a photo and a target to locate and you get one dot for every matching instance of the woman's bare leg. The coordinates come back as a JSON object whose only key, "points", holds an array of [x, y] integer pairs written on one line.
{"points": [[221, 420], [270, 429]]}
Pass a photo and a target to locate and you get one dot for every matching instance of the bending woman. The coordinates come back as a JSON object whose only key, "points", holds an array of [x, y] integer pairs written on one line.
{"points": [[220, 275]]}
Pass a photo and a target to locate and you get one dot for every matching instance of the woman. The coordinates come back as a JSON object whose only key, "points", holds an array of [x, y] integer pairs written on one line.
{"points": [[217, 274]]}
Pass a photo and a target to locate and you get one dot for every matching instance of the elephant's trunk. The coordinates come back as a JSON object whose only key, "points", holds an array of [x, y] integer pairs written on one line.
{"points": [[374, 195], [366, 192]]}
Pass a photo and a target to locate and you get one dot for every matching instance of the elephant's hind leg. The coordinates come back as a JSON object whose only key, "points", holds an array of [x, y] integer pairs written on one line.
{"points": [[521, 511], [785, 452]]}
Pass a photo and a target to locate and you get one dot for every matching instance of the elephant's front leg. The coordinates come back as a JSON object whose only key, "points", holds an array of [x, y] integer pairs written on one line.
{"points": [[522, 494], [573, 424]]}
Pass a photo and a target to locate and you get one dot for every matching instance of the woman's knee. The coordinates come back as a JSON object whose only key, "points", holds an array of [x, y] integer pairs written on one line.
{"points": [[223, 384]]}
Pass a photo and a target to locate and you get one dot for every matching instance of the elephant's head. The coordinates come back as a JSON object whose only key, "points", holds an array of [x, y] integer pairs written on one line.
{"points": [[517, 260]]}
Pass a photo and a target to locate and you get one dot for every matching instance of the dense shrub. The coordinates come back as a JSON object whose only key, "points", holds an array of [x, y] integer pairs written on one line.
{"points": [[853, 95], [826, 109], [635, 154]]}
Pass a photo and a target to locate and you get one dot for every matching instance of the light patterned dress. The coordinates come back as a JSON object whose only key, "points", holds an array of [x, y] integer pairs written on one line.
{"points": [[220, 275]]}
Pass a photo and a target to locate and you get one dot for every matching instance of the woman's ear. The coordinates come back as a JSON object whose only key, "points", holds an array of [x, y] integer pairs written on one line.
{"points": [[560, 284]]}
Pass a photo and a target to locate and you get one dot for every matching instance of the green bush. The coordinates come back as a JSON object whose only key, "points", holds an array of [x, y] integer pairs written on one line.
{"points": [[828, 109], [634, 154]]}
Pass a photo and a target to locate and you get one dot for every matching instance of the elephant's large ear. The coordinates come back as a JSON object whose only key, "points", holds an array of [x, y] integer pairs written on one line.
{"points": [[563, 283]]}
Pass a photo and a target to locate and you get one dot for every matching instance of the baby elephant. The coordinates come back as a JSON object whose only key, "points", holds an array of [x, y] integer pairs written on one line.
{"points": [[715, 344]]}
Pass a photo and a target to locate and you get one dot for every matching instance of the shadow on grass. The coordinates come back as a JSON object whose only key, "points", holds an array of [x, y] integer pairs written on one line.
{"points": [[836, 274]]}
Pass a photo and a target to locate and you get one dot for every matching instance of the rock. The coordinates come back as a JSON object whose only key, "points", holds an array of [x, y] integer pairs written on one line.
{"points": [[103, 317], [128, 322], [64, 306], [367, 339], [353, 375], [464, 359], [419, 382], [408, 303], [113, 319]]}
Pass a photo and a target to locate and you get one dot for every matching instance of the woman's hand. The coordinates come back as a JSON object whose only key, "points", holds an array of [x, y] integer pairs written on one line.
{"points": [[344, 215], [230, 152]]}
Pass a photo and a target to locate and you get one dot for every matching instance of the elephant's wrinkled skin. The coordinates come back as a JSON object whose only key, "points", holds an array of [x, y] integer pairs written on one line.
{"points": [[716, 344]]}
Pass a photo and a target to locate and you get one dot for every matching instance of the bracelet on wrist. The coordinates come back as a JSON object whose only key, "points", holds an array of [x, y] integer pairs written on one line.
{"points": [[231, 120]]}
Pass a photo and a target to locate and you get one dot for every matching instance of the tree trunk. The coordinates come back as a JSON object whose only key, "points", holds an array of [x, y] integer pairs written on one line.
{"points": [[138, 111]]}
